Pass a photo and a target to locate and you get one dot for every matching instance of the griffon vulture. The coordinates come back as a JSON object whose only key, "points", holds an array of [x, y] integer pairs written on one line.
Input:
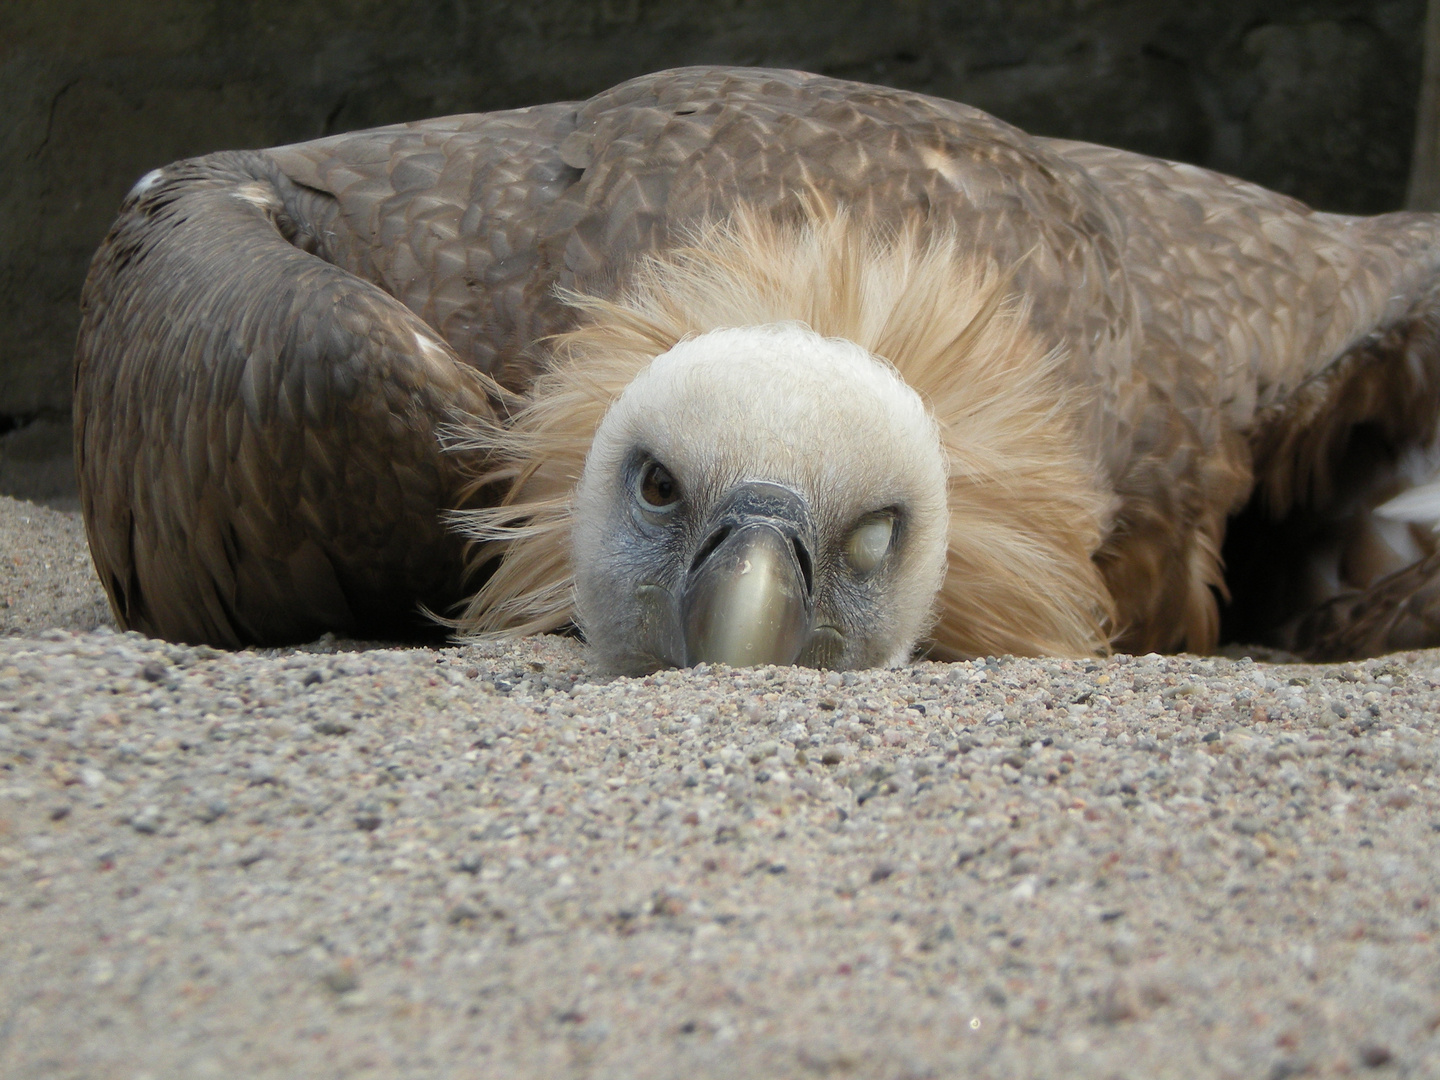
{"points": [[758, 367]]}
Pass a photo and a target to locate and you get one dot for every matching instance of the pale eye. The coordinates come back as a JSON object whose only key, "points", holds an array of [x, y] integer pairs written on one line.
{"points": [[658, 490], [870, 542]]}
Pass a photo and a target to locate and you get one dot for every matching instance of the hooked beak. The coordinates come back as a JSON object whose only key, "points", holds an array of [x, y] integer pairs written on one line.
{"points": [[748, 598]]}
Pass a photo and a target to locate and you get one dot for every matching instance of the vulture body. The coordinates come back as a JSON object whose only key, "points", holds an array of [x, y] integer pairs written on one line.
{"points": [[599, 361]]}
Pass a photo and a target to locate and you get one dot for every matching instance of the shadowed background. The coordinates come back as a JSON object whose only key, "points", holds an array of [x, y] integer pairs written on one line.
{"points": [[1314, 99]]}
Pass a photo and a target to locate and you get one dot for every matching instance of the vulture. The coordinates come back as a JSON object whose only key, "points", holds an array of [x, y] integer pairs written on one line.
{"points": [[754, 366]]}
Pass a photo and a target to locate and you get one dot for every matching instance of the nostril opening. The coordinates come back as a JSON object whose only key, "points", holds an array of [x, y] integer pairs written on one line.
{"points": [[807, 571], [707, 549]]}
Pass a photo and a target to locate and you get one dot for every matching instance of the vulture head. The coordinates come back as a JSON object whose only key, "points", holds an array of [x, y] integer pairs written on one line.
{"points": [[739, 460], [760, 495]]}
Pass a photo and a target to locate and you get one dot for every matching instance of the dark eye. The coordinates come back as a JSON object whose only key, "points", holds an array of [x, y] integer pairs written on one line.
{"points": [[658, 489]]}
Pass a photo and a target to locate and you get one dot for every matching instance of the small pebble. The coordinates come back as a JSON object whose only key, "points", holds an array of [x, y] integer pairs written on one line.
{"points": [[341, 980], [262, 772], [1374, 1055], [147, 820], [368, 818]]}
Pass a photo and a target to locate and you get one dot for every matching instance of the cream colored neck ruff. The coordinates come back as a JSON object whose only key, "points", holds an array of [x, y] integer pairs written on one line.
{"points": [[1025, 513]]}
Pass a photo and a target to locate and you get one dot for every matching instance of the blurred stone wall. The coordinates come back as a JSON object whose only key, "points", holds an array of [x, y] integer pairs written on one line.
{"points": [[1313, 98]]}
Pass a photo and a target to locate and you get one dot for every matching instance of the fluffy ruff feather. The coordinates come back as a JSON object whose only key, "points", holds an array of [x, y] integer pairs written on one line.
{"points": [[1026, 512]]}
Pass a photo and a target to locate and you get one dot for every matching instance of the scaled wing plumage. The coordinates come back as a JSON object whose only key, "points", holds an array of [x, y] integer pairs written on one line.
{"points": [[275, 342]]}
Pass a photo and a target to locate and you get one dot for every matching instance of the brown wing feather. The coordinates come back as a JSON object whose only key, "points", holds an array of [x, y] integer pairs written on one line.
{"points": [[256, 428], [1399, 612], [1271, 334], [446, 215]]}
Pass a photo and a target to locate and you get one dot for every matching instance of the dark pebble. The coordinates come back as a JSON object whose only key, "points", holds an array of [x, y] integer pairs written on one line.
{"points": [[966, 854], [1373, 1055], [461, 913], [341, 980], [332, 727], [368, 817]]}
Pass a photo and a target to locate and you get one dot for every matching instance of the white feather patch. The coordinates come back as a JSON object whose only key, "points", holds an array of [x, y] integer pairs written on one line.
{"points": [[432, 350], [1418, 506], [258, 195], [145, 183]]}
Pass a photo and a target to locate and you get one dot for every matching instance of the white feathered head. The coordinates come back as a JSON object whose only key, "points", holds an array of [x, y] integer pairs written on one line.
{"points": [[792, 444]]}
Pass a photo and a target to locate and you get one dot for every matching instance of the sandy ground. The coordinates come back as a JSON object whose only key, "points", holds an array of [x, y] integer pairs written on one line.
{"points": [[351, 861]]}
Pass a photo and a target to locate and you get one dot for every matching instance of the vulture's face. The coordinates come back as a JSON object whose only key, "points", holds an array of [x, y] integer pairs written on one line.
{"points": [[760, 495]]}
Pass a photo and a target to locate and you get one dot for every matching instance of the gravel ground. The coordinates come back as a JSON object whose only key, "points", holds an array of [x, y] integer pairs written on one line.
{"points": [[46, 577], [355, 861]]}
